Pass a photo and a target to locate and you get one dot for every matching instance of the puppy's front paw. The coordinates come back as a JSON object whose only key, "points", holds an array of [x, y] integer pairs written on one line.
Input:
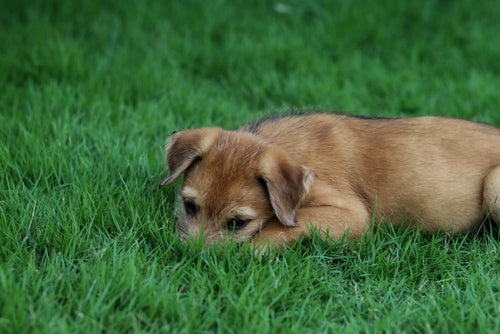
{"points": [[262, 248]]}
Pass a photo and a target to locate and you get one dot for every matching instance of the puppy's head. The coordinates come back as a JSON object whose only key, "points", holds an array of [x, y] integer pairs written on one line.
{"points": [[233, 184]]}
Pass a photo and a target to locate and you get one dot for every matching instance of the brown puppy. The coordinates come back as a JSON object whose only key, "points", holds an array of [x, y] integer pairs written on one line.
{"points": [[273, 179]]}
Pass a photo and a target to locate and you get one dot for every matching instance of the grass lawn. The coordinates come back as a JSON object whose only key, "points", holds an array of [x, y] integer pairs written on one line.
{"points": [[89, 90]]}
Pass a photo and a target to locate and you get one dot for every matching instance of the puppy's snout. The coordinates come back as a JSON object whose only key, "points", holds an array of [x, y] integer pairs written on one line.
{"points": [[180, 231]]}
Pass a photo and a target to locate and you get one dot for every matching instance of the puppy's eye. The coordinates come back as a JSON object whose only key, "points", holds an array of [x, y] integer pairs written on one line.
{"points": [[190, 208], [236, 224]]}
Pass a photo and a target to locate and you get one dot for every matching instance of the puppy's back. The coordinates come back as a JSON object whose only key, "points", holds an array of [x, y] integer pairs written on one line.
{"points": [[459, 136]]}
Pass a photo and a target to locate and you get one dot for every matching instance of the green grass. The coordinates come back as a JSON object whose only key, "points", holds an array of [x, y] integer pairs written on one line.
{"points": [[88, 92]]}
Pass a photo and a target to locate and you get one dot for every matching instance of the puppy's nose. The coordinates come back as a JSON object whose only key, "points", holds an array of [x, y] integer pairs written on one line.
{"points": [[180, 232]]}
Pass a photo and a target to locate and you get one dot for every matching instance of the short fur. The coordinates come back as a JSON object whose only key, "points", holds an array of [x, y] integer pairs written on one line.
{"points": [[272, 180]]}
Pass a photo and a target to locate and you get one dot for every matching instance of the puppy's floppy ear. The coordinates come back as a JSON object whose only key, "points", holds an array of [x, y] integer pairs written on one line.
{"points": [[288, 185], [184, 148]]}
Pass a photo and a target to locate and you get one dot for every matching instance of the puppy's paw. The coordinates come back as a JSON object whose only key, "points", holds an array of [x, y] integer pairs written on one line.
{"points": [[262, 248]]}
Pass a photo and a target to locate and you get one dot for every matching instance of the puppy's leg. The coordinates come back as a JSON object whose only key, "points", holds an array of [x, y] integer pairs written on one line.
{"points": [[331, 221], [492, 194]]}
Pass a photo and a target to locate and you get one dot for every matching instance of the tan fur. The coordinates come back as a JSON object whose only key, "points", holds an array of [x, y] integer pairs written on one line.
{"points": [[332, 172]]}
